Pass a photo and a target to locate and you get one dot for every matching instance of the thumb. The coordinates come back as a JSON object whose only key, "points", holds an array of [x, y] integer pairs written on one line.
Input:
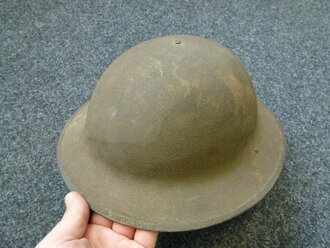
{"points": [[74, 221]]}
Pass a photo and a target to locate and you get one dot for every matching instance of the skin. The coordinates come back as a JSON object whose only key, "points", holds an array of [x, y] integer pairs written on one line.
{"points": [[82, 228]]}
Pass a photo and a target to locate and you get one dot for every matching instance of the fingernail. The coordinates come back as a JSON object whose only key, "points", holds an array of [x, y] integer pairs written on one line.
{"points": [[69, 199]]}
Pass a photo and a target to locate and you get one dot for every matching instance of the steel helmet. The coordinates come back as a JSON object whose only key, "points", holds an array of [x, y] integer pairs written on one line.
{"points": [[173, 138]]}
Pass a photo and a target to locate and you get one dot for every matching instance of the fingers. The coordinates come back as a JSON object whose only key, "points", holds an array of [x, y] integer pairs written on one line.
{"points": [[124, 230], [145, 238], [100, 236], [104, 231], [100, 220], [121, 229]]}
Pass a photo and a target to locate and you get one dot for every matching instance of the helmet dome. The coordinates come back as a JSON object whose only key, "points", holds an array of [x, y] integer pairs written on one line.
{"points": [[167, 104]]}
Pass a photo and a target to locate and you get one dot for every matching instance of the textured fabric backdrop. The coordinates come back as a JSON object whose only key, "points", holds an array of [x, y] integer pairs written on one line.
{"points": [[53, 52]]}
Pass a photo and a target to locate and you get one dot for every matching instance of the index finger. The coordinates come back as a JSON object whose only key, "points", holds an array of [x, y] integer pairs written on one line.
{"points": [[146, 238], [100, 220]]}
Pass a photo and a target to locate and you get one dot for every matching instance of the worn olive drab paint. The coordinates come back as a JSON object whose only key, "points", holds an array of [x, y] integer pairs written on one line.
{"points": [[173, 138]]}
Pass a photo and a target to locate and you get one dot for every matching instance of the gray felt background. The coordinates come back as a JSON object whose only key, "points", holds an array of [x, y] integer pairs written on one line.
{"points": [[53, 52]]}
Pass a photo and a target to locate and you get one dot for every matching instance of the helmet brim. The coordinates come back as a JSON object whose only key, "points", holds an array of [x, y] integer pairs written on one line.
{"points": [[187, 203]]}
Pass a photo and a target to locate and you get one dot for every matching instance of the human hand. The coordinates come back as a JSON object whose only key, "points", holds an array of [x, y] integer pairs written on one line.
{"points": [[81, 228]]}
